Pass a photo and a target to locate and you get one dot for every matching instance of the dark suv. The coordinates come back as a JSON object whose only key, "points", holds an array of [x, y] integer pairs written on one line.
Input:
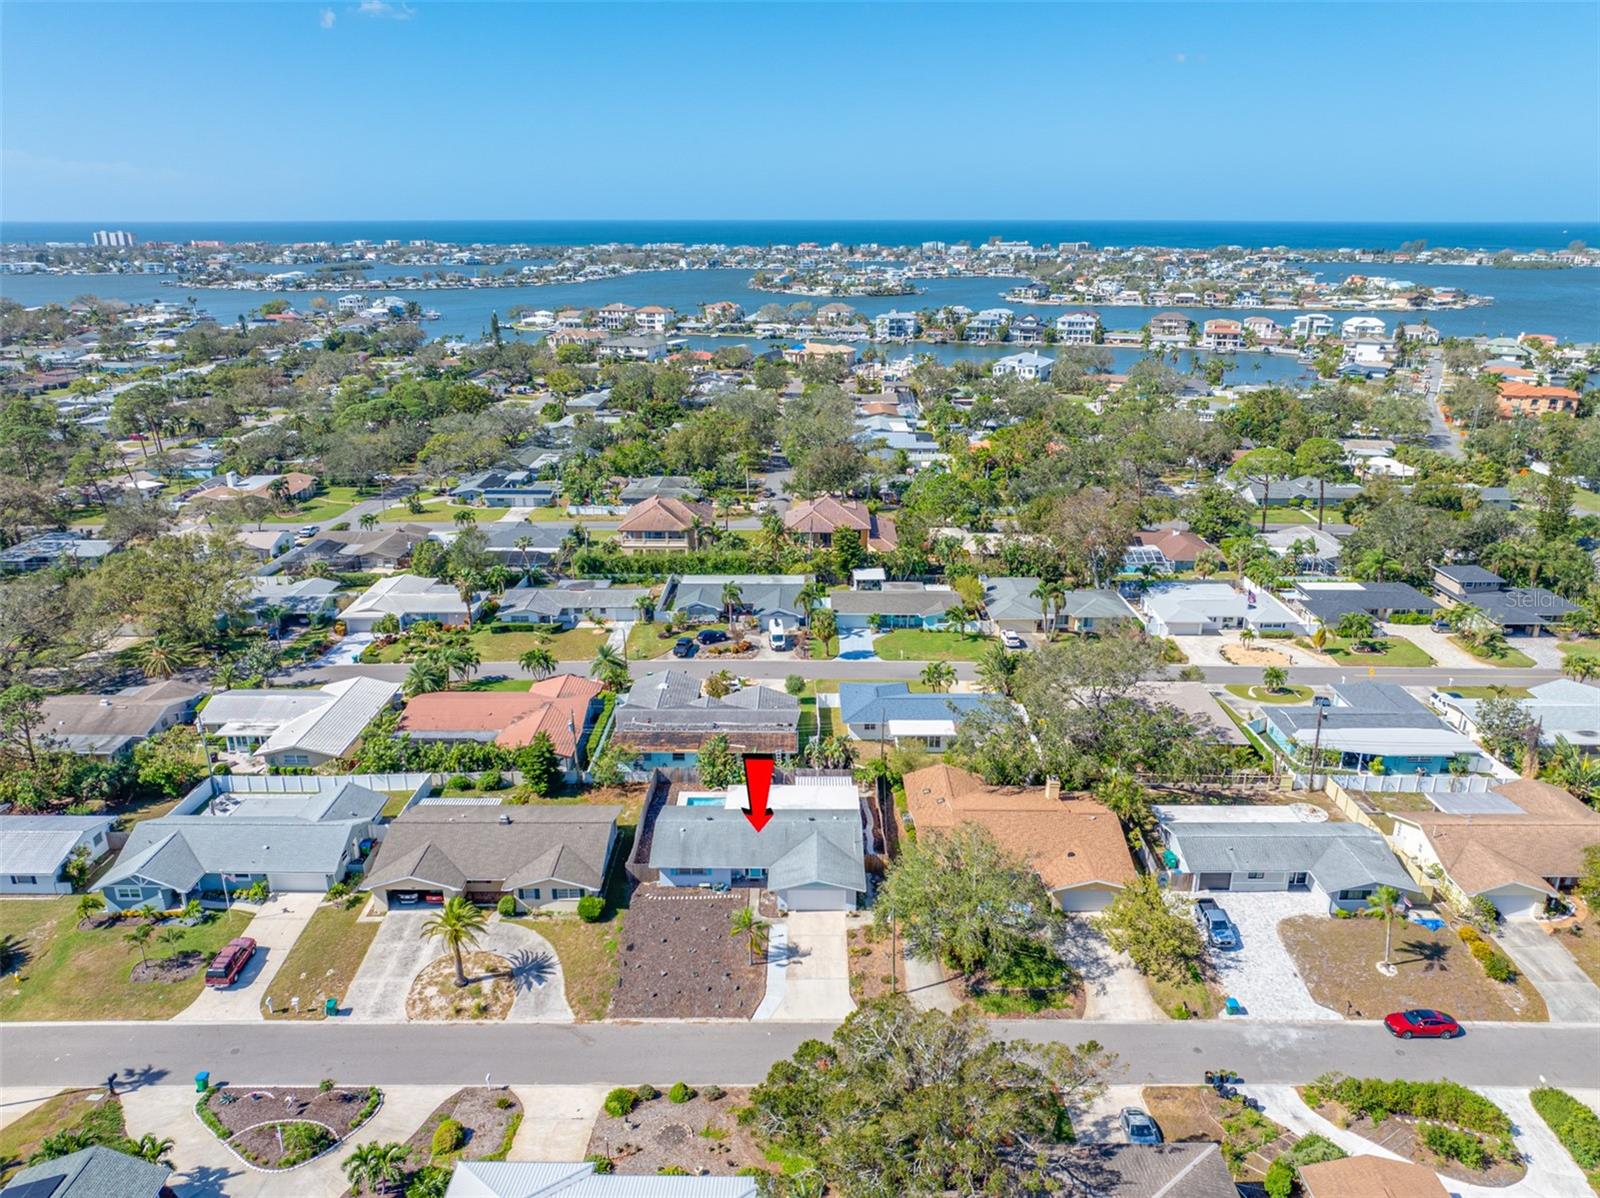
{"points": [[684, 647]]}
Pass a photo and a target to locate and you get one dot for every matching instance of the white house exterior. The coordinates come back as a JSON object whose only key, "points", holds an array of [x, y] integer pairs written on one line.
{"points": [[411, 599], [1311, 326], [1201, 608], [297, 726], [1028, 365], [35, 850], [1077, 328], [896, 326]]}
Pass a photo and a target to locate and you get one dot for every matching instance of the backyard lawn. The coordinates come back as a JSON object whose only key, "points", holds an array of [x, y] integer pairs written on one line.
{"points": [[1392, 651], [1507, 657], [923, 644], [1338, 960], [72, 974], [323, 961], [1263, 694]]}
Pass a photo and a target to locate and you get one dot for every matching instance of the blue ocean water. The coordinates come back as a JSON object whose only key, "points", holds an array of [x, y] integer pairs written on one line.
{"points": [[1187, 234]]}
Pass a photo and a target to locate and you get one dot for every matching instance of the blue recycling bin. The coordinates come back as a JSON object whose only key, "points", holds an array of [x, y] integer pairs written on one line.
{"points": [[202, 1082]]}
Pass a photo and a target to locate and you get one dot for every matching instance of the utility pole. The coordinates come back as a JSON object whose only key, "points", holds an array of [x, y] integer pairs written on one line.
{"points": [[1316, 747]]}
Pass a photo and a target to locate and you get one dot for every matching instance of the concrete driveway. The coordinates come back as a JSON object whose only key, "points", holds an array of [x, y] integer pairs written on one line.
{"points": [[856, 645], [1112, 987], [276, 927], [808, 972], [399, 952], [1567, 991], [1261, 974]]}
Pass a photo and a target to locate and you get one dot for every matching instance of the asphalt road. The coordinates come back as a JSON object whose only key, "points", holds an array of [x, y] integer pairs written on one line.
{"points": [[1440, 436], [740, 1053]]}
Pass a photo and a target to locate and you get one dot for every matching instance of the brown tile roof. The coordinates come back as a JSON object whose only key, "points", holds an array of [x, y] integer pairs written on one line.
{"points": [[1175, 545], [1486, 850], [1370, 1177], [452, 846], [661, 513], [1069, 842], [557, 706], [826, 515]]}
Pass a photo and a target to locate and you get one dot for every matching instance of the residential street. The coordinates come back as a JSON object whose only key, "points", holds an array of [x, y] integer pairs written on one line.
{"points": [[738, 1053], [1440, 436]]}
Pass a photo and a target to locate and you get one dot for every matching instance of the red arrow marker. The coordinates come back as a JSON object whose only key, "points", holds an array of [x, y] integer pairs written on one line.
{"points": [[758, 786]]}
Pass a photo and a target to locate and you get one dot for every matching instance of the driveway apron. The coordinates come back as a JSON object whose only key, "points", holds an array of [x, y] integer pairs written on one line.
{"points": [[276, 927]]}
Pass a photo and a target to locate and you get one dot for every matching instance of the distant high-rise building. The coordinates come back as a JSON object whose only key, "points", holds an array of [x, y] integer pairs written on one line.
{"points": [[115, 237]]}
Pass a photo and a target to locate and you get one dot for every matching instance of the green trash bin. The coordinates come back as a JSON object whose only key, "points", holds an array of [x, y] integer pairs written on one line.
{"points": [[202, 1082], [331, 1007]]}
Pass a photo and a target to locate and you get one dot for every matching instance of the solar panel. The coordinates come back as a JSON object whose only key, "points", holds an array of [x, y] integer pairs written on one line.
{"points": [[41, 1187]]}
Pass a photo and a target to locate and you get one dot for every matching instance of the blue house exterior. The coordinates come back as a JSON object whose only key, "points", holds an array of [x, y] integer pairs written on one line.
{"points": [[1369, 722]]}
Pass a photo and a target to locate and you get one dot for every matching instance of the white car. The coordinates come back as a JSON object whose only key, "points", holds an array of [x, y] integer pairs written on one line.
{"points": [[1012, 640]]}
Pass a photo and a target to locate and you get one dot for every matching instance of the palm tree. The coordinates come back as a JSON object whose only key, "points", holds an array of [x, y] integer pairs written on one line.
{"points": [[139, 937], [938, 676], [717, 685], [272, 616], [997, 671], [156, 1150], [1050, 596], [465, 517], [427, 674], [376, 1166], [1580, 667], [1275, 679], [1384, 902], [369, 521], [524, 543], [90, 905], [538, 661], [606, 658], [460, 660], [467, 586], [752, 927], [1246, 635], [458, 924], [731, 595], [160, 658], [645, 605]]}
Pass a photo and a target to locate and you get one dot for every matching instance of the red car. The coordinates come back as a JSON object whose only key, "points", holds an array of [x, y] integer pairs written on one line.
{"points": [[1421, 1022], [228, 964]]}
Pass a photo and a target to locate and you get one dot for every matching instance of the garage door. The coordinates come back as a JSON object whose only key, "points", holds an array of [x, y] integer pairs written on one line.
{"points": [[1213, 881], [1084, 898], [415, 898], [816, 898], [1514, 905]]}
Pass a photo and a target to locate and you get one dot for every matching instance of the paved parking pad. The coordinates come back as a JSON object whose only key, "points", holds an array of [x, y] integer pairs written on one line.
{"points": [[1261, 973]]}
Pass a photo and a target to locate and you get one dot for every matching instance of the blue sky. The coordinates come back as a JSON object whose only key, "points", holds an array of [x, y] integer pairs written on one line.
{"points": [[454, 110]]}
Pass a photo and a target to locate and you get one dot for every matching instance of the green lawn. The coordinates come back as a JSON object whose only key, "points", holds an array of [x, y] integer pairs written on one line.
{"points": [[435, 511], [1585, 501], [1294, 515], [823, 650], [91, 1111], [1490, 692], [498, 684], [330, 505], [647, 642], [1571, 649], [577, 644], [1508, 657], [1392, 651], [923, 644], [323, 961], [70, 974], [1260, 694]]}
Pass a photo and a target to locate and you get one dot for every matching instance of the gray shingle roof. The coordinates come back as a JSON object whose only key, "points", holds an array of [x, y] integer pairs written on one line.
{"points": [[1338, 856], [893, 603], [1328, 603], [798, 848], [96, 1172], [879, 702], [39, 844], [519, 846]]}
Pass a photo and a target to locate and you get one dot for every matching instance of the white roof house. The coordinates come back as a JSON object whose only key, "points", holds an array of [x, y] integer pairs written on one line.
{"points": [[1563, 708], [35, 848], [1026, 365], [1198, 608], [411, 599], [297, 726], [577, 1179]]}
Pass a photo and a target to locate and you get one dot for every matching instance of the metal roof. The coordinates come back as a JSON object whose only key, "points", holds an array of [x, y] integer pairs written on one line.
{"points": [[39, 844]]}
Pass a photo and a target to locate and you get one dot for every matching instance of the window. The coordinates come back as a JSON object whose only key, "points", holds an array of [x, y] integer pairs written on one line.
{"points": [[127, 894], [1255, 875], [566, 892], [690, 873], [531, 894], [24, 879], [98, 837], [295, 759]]}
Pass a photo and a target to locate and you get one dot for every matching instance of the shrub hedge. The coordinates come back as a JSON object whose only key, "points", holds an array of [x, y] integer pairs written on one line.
{"points": [[1377, 1099], [1575, 1125]]}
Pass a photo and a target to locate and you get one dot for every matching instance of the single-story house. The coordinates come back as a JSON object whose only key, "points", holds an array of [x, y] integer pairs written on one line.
{"points": [[110, 725], [521, 544], [669, 486], [812, 860], [762, 597], [1245, 849], [50, 548], [35, 850], [1302, 490], [1326, 602], [93, 1172], [358, 549], [888, 711], [293, 833], [1368, 722], [1563, 709], [410, 598], [897, 605], [1311, 550], [548, 857], [1196, 700], [1517, 845], [578, 1179], [1075, 845], [294, 596], [1370, 1177], [1091, 610], [264, 544], [664, 721], [562, 706], [1010, 604], [1170, 550], [506, 488], [294, 486], [297, 725], [1200, 608], [570, 601], [1171, 1170], [817, 520]]}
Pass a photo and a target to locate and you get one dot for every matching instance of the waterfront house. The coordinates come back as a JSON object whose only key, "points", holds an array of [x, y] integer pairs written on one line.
{"points": [[1027, 329], [1078, 328], [896, 605], [1170, 328], [108, 726], [636, 347], [1374, 726], [545, 857], [1264, 329], [1311, 326], [1031, 366], [817, 520], [411, 599], [1223, 336], [1519, 611], [664, 720], [988, 325], [613, 317], [569, 601], [297, 726], [1362, 328], [35, 850], [653, 318], [1245, 848], [890, 712], [292, 833], [1075, 845], [816, 351], [660, 523], [896, 326]]}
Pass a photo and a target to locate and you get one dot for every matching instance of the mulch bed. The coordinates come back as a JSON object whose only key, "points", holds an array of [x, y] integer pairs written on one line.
{"points": [[487, 1125], [175, 968], [659, 1133], [1398, 1133], [678, 960], [872, 963], [487, 996], [257, 1108]]}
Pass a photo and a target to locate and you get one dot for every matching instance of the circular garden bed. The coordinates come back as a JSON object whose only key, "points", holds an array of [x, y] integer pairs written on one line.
{"points": [[282, 1127], [488, 994]]}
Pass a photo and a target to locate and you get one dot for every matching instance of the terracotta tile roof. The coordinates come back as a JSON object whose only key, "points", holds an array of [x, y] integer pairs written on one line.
{"points": [[1175, 545], [1069, 842], [661, 513], [557, 706], [1370, 1177]]}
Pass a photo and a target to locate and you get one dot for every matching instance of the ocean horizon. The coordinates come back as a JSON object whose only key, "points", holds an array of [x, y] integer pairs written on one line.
{"points": [[1188, 234]]}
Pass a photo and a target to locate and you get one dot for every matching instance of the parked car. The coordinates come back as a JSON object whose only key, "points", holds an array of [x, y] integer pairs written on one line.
{"points": [[684, 647], [1422, 1022], [711, 636], [1139, 1127], [1220, 930], [1012, 640], [229, 963], [307, 532]]}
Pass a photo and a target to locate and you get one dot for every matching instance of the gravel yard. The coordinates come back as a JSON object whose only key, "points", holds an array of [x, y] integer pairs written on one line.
{"points": [[1262, 974], [678, 960]]}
